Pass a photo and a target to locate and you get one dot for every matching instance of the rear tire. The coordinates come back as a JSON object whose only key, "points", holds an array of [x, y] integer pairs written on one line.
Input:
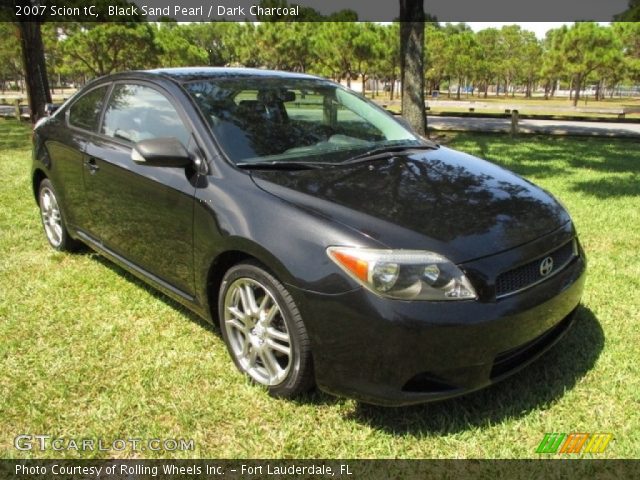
{"points": [[53, 220], [264, 332]]}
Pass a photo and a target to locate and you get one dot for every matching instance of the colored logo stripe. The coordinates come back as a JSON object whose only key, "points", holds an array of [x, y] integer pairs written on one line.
{"points": [[574, 443], [598, 442], [550, 443]]}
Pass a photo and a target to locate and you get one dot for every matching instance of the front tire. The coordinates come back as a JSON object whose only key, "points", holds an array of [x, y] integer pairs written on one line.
{"points": [[53, 219], [264, 332]]}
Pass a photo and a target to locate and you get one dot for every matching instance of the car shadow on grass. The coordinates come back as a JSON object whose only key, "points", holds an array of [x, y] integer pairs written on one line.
{"points": [[536, 387], [195, 318]]}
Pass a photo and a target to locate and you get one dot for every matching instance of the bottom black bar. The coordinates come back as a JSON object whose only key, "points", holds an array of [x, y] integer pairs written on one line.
{"points": [[113, 469]]}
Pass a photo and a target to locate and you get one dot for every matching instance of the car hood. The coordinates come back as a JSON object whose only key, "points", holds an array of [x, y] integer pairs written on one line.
{"points": [[441, 200]]}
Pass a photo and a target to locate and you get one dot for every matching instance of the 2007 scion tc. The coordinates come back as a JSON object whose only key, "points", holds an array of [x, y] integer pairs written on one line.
{"points": [[333, 245]]}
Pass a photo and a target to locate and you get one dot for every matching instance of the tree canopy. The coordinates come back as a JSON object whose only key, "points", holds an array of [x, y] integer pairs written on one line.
{"points": [[456, 59]]}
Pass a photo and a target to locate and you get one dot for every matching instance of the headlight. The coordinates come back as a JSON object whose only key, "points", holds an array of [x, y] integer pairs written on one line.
{"points": [[404, 274]]}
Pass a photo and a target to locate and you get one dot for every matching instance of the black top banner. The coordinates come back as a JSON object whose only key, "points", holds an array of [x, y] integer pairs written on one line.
{"points": [[315, 10]]}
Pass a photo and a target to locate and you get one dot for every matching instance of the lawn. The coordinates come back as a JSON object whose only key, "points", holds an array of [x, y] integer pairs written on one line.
{"points": [[87, 351]]}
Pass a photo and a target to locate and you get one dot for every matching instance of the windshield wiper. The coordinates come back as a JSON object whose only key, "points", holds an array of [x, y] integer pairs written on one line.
{"points": [[282, 165], [373, 154], [385, 152]]}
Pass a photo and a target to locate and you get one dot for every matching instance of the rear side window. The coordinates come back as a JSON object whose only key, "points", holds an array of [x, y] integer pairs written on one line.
{"points": [[85, 112], [136, 113]]}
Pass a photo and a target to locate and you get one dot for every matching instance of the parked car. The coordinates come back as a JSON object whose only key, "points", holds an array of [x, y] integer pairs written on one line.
{"points": [[333, 246]]}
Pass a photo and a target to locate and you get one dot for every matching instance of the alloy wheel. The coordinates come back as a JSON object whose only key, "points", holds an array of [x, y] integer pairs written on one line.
{"points": [[51, 217], [257, 332]]}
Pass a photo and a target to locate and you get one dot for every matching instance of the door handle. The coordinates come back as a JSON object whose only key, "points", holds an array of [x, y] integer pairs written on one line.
{"points": [[91, 164]]}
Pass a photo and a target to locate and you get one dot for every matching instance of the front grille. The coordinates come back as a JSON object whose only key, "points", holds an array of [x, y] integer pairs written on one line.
{"points": [[527, 275]]}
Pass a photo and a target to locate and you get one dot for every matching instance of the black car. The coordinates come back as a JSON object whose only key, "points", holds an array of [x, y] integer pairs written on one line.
{"points": [[331, 244]]}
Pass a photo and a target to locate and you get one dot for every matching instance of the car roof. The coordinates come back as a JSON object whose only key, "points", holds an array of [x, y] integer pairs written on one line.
{"points": [[185, 74]]}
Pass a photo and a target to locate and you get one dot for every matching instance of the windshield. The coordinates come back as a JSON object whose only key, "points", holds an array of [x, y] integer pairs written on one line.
{"points": [[275, 119]]}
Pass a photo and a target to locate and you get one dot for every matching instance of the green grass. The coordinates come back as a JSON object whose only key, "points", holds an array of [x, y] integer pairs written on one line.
{"points": [[87, 351]]}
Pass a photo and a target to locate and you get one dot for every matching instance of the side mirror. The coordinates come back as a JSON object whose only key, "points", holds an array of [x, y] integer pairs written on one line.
{"points": [[161, 152]]}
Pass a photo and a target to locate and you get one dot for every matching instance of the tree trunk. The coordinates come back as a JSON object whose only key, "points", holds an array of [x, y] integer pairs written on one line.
{"points": [[412, 63], [571, 88], [364, 81], [35, 69], [578, 83], [497, 87], [601, 90], [392, 89]]}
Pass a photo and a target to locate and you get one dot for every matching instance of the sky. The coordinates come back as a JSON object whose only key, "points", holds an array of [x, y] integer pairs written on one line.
{"points": [[539, 28]]}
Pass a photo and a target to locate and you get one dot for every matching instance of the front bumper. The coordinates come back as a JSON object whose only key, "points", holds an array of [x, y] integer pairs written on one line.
{"points": [[396, 353]]}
